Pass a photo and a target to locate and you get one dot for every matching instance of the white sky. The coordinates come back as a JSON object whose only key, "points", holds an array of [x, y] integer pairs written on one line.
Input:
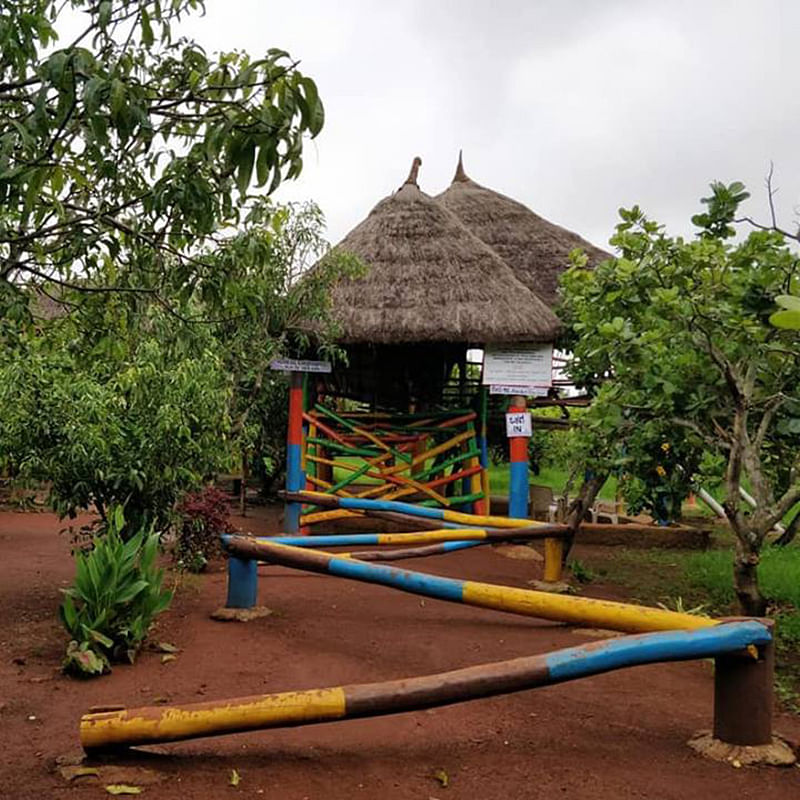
{"points": [[574, 107]]}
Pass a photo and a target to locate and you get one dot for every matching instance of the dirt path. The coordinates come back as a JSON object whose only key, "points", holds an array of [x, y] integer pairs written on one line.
{"points": [[617, 736]]}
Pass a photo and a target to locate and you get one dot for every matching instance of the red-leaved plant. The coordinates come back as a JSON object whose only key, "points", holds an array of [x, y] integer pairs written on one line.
{"points": [[204, 517]]}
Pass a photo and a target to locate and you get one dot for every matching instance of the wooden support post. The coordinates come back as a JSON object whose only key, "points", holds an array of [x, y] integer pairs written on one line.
{"points": [[483, 506], [518, 483], [242, 582], [553, 556], [743, 695], [295, 479]]}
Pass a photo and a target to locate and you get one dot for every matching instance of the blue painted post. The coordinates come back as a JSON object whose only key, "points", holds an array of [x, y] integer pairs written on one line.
{"points": [[242, 582], [518, 481], [295, 479]]}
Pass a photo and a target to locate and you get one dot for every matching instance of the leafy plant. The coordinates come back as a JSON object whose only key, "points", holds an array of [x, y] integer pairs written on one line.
{"points": [[203, 519], [580, 571], [115, 597]]}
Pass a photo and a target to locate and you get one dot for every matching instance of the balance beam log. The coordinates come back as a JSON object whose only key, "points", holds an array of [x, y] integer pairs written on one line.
{"points": [[121, 727], [358, 504], [560, 608], [545, 532]]}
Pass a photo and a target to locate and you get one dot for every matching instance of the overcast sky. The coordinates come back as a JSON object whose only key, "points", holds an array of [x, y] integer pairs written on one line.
{"points": [[573, 107]]}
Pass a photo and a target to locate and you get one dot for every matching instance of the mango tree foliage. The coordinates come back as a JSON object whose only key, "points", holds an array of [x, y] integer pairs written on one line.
{"points": [[113, 422], [674, 338], [125, 150]]}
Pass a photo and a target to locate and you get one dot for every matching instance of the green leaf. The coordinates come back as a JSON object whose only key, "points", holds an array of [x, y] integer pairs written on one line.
{"points": [[787, 319], [788, 301], [244, 170], [147, 30]]}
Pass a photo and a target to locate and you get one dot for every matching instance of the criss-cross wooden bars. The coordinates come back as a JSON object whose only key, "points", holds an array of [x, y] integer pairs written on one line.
{"points": [[436, 458]]}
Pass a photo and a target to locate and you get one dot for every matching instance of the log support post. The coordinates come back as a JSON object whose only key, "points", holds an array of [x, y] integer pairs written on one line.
{"points": [[743, 695], [295, 479], [518, 483], [553, 557], [242, 582]]}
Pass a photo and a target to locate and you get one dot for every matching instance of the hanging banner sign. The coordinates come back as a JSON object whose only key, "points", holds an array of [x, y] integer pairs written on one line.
{"points": [[524, 391], [299, 365], [518, 423], [520, 365]]}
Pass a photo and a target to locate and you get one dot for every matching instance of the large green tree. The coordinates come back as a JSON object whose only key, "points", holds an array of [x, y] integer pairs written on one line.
{"points": [[126, 151], [673, 336]]}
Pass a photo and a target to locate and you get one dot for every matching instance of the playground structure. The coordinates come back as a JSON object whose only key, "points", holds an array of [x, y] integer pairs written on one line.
{"points": [[439, 456], [742, 649], [433, 291]]}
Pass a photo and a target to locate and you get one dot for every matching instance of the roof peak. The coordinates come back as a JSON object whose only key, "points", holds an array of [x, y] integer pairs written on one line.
{"points": [[412, 175], [460, 176]]}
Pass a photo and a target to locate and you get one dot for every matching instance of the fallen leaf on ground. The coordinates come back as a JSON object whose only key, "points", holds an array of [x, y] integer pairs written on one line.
{"points": [[166, 647], [442, 777], [235, 778], [70, 773], [167, 658], [123, 788]]}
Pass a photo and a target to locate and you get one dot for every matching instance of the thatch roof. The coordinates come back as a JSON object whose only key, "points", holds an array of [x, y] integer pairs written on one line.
{"points": [[429, 279], [535, 249]]}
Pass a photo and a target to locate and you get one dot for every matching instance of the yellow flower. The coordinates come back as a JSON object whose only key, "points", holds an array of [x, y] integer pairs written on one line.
{"points": [[661, 471], [665, 447]]}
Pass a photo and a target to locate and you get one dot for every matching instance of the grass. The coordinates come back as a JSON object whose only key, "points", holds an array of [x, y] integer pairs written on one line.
{"points": [[553, 477]]}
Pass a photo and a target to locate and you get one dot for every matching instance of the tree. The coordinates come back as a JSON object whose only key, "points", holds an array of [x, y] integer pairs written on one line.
{"points": [[120, 411], [126, 152], [673, 336]]}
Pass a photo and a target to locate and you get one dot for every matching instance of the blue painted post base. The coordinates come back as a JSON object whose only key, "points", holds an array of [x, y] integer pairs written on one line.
{"points": [[242, 592], [242, 583]]}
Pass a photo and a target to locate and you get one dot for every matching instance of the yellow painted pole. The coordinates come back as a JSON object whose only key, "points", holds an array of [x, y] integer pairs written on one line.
{"points": [[553, 554], [141, 726]]}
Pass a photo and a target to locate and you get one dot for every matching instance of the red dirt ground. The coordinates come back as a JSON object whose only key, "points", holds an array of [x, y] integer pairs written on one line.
{"points": [[620, 735]]}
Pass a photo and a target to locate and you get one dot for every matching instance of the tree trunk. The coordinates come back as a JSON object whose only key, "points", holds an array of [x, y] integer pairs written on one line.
{"points": [[579, 506], [745, 580]]}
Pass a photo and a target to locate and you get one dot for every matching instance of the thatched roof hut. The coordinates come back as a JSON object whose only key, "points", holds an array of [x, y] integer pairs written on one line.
{"points": [[429, 279], [536, 250]]}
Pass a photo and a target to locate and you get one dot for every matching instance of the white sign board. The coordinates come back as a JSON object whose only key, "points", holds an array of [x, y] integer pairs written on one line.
{"points": [[299, 365], [520, 365], [518, 423], [524, 391]]}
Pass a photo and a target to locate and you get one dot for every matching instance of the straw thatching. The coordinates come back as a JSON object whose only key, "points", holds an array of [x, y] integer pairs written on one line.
{"points": [[429, 279], [535, 249]]}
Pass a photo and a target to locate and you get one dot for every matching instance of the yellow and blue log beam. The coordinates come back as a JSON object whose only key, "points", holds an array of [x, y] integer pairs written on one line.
{"points": [[121, 727], [545, 532], [443, 514], [544, 605]]}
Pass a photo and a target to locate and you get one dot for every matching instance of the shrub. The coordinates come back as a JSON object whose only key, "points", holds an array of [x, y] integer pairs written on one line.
{"points": [[116, 595], [204, 517]]}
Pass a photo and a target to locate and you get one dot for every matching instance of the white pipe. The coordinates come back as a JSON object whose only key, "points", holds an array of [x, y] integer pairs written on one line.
{"points": [[711, 502], [751, 501], [720, 511]]}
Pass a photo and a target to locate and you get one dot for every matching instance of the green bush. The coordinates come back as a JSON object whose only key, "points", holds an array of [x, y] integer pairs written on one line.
{"points": [[117, 593]]}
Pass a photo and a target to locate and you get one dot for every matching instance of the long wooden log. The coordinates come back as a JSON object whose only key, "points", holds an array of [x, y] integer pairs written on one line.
{"points": [[121, 727], [560, 608], [486, 536]]}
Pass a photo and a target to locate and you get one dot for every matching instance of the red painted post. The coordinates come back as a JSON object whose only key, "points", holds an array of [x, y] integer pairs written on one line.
{"points": [[518, 483]]}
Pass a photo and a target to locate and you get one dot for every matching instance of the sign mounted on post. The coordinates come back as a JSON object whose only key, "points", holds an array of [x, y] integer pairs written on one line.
{"points": [[299, 365], [518, 423], [520, 365], [524, 391]]}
